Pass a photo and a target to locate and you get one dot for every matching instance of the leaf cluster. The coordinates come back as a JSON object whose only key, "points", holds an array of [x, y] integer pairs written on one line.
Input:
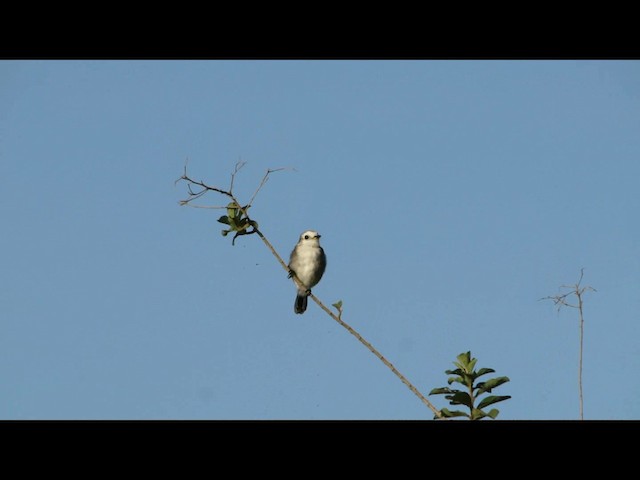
{"points": [[237, 220], [466, 375]]}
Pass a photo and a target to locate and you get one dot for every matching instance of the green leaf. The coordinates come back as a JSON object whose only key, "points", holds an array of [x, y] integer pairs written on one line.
{"points": [[242, 224], [455, 413], [493, 413], [224, 219], [466, 363], [471, 365], [463, 360], [484, 371], [464, 379], [491, 384], [232, 210], [337, 305], [477, 414], [493, 399], [440, 391], [461, 398], [464, 357]]}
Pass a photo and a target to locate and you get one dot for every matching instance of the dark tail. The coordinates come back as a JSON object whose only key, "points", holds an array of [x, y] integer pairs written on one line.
{"points": [[301, 304]]}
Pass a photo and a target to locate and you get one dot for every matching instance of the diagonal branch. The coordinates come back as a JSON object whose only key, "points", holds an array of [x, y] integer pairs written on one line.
{"points": [[338, 318], [373, 350]]}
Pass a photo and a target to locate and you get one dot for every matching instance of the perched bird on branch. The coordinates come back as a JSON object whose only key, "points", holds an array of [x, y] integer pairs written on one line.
{"points": [[308, 263]]}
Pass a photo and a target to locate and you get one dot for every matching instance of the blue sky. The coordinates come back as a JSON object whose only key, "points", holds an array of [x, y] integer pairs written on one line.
{"points": [[451, 196]]}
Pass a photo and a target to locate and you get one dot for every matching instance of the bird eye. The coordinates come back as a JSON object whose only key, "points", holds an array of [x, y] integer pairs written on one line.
{"points": [[306, 237]]}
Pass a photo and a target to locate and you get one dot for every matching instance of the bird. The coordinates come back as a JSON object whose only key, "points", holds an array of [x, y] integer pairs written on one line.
{"points": [[307, 262]]}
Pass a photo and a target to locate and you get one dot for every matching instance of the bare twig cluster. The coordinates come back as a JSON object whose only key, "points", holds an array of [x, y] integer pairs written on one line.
{"points": [[202, 189], [560, 301]]}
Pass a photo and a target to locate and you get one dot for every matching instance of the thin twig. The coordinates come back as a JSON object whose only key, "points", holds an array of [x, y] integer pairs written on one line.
{"points": [[210, 207], [264, 180], [239, 165]]}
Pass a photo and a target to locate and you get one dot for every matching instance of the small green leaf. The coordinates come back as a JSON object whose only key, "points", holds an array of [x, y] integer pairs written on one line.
{"points": [[455, 413], [471, 365], [484, 371], [461, 398], [242, 224], [464, 379], [337, 305], [491, 384], [463, 359], [440, 391], [493, 413], [232, 210], [224, 219], [492, 399], [477, 414]]}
